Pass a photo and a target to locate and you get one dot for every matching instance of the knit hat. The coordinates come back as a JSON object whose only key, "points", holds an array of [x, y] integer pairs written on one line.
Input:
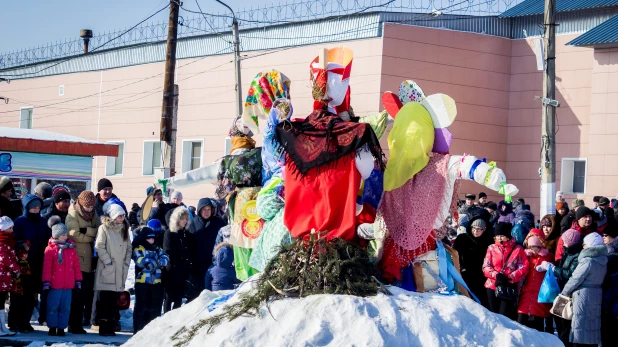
{"points": [[503, 229], [5, 223], [149, 190], [482, 195], [492, 206], [86, 199], [479, 223], [593, 239], [571, 237], [61, 195], [582, 212], [470, 196], [104, 183], [5, 184], [43, 190], [115, 211], [603, 201], [155, 225], [176, 195], [534, 241], [560, 206], [57, 227], [147, 233], [611, 230]]}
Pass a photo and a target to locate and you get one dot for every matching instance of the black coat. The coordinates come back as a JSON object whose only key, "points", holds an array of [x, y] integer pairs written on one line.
{"points": [[472, 251], [162, 213], [176, 245], [10, 208], [567, 222], [203, 233], [53, 211], [567, 264]]}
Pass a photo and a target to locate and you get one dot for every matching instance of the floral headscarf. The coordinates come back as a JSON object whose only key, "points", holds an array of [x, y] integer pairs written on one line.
{"points": [[265, 88]]}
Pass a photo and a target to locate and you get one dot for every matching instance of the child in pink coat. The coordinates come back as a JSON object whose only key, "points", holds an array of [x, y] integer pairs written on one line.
{"points": [[61, 274]]}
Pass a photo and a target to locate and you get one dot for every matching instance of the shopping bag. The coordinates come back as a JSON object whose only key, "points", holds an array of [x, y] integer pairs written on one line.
{"points": [[549, 288]]}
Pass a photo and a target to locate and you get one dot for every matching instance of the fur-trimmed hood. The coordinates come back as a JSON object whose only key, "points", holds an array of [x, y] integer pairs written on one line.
{"points": [[175, 217], [598, 254], [112, 226]]}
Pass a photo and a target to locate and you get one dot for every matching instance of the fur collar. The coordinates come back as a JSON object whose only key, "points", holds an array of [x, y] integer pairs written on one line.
{"points": [[177, 214], [110, 225], [593, 252]]}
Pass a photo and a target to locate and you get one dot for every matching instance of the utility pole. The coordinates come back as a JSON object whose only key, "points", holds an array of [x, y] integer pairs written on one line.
{"points": [[239, 101], [548, 129], [167, 135]]}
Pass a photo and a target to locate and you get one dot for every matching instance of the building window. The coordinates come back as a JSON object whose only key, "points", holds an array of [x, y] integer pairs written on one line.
{"points": [[152, 157], [573, 177], [25, 117], [191, 154], [113, 165]]}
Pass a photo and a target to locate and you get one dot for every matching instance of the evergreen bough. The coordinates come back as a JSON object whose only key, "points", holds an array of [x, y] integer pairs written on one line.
{"points": [[303, 268]]}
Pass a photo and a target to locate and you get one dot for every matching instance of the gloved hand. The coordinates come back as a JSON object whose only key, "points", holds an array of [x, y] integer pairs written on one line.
{"points": [[46, 286], [502, 279], [78, 284], [151, 266], [544, 266]]}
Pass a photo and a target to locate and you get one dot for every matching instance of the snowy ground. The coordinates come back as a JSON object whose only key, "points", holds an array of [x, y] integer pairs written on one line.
{"points": [[405, 319]]}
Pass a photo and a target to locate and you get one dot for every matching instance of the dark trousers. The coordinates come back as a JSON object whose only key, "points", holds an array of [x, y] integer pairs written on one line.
{"points": [[21, 309], [107, 306], [549, 324], [564, 330], [503, 307], [174, 292], [148, 301], [533, 322], [609, 337], [82, 301]]}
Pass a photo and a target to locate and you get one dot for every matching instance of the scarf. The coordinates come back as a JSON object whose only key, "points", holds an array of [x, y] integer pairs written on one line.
{"points": [[242, 142], [8, 238], [62, 245], [87, 216], [323, 138]]}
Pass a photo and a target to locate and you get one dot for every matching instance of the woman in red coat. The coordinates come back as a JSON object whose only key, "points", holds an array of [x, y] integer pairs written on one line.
{"points": [[530, 312], [505, 264]]}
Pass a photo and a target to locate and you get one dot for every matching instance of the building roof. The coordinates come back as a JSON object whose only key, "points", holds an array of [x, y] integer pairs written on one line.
{"points": [[604, 35], [533, 7], [42, 141]]}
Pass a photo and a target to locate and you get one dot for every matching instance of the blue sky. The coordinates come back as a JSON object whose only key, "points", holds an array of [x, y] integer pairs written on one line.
{"points": [[30, 23]]}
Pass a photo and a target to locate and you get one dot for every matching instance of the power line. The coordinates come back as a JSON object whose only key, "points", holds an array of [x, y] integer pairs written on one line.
{"points": [[210, 25], [97, 48]]}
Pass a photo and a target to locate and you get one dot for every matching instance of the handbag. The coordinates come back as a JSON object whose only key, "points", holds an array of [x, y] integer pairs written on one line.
{"points": [[563, 307], [507, 292]]}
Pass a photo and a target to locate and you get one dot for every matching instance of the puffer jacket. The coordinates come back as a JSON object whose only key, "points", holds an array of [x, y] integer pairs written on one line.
{"points": [[8, 262], [149, 260], [567, 264], [114, 255], [61, 276], [203, 234], [176, 245], [222, 276], [83, 233], [585, 287], [517, 263], [528, 299]]}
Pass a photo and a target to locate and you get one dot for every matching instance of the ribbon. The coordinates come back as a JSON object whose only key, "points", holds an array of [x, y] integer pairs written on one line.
{"points": [[463, 157], [492, 166], [502, 191], [475, 165], [442, 263]]}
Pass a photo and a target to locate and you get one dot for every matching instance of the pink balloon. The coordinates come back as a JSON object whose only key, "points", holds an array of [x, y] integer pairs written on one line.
{"points": [[442, 141]]}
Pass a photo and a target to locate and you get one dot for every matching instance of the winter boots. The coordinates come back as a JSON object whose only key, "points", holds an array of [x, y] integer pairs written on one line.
{"points": [[106, 328], [4, 331]]}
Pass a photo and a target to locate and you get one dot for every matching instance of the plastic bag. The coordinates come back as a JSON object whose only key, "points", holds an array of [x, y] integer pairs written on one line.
{"points": [[549, 288]]}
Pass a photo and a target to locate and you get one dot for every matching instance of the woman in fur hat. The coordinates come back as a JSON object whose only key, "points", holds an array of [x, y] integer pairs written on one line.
{"points": [[176, 245], [113, 246]]}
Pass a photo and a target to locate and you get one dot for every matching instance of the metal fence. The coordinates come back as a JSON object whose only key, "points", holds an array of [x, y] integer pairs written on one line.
{"points": [[193, 23]]}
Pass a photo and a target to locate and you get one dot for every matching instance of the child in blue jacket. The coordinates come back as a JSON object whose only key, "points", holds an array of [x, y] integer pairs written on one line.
{"points": [[222, 276], [149, 260]]}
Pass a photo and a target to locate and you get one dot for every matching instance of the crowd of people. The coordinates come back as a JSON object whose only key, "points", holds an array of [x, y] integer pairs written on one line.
{"points": [[505, 254], [71, 259]]}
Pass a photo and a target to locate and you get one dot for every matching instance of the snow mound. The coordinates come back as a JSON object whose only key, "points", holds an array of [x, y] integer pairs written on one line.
{"points": [[404, 319]]}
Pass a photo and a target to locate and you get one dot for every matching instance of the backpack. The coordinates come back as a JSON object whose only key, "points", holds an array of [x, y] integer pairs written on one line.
{"points": [[519, 233]]}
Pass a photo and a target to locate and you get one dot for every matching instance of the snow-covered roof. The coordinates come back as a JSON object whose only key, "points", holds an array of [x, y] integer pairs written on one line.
{"points": [[42, 135], [42, 141]]}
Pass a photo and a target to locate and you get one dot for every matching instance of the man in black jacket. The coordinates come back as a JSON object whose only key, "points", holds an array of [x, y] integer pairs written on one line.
{"points": [[60, 206], [203, 232]]}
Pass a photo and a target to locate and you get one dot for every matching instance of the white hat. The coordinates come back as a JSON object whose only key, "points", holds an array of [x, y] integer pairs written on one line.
{"points": [[115, 211], [593, 240], [176, 195], [5, 223]]}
